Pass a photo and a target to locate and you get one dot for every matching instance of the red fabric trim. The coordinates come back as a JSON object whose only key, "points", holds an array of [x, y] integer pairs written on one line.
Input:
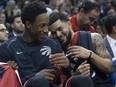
{"points": [[74, 40], [68, 82]]}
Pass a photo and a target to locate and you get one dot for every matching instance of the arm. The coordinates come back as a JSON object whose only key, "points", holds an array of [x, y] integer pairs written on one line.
{"points": [[101, 58]]}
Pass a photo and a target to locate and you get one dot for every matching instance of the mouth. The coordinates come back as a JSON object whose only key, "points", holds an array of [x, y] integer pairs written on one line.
{"points": [[62, 39], [43, 37]]}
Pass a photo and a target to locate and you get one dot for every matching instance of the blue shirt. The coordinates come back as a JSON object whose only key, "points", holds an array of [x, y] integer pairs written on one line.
{"points": [[30, 57]]}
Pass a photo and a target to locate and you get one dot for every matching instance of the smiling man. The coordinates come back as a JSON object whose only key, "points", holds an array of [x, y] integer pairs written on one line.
{"points": [[31, 51], [81, 48]]}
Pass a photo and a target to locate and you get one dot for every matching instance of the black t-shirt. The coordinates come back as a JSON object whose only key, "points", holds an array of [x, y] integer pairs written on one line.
{"points": [[30, 57], [83, 39]]}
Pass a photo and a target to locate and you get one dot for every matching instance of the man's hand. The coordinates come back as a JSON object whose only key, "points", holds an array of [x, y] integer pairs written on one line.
{"points": [[59, 60], [49, 74], [13, 64], [78, 51], [83, 69]]}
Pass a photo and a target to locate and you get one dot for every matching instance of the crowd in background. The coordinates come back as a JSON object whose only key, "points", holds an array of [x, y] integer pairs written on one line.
{"points": [[9, 8]]}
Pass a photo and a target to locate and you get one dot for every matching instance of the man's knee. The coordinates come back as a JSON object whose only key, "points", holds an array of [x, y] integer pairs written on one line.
{"points": [[37, 81], [81, 81]]}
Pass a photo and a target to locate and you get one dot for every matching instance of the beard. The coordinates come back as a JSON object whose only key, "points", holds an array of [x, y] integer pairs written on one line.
{"points": [[18, 31], [68, 40], [85, 27]]}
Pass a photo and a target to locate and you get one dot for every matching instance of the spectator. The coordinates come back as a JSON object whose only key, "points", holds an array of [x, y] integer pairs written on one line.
{"points": [[103, 8], [3, 33], [2, 18], [32, 51], [17, 26], [111, 12], [3, 4], [9, 9], [87, 13], [110, 39], [63, 8], [83, 46]]}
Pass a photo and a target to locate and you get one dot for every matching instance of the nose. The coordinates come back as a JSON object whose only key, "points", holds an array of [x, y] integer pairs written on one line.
{"points": [[6, 32], [45, 30], [58, 33]]}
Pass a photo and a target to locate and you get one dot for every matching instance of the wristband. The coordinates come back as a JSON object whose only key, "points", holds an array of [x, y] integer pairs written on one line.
{"points": [[90, 55]]}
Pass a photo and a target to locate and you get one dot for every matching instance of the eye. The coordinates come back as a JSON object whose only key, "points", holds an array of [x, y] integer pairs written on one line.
{"points": [[59, 29], [43, 25], [53, 32], [2, 30]]}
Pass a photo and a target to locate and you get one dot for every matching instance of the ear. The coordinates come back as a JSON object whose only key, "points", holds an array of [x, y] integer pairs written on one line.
{"points": [[81, 11], [12, 25], [114, 28], [28, 24], [69, 23]]}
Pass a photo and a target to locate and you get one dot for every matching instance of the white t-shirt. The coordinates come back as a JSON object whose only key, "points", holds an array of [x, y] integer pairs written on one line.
{"points": [[112, 43]]}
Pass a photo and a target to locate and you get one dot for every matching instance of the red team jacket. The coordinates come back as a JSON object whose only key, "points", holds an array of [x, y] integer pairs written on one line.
{"points": [[75, 26], [8, 77]]}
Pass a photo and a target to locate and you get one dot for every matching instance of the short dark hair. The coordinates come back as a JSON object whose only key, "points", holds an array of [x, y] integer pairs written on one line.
{"points": [[88, 6], [31, 11], [110, 21], [57, 15], [14, 17]]}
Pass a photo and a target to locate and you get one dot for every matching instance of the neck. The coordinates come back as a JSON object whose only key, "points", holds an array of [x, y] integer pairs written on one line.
{"points": [[1, 41], [65, 46], [72, 35], [77, 18], [113, 36], [26, 37], [17, 33]]}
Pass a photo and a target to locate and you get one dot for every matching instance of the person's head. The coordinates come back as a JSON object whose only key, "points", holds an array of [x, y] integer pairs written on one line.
{"points": [[113, 3], [111, 12], [110, 25], [60, 27], [34, 17], [88, 10], [2, 17], [16, 24], [84, 23], [3, 33]]}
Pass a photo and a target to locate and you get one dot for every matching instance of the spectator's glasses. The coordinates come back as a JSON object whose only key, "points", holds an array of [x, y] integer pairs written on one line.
{"points": [[3, 30]]}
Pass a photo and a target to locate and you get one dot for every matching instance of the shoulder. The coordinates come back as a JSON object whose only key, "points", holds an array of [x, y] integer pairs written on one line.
{"points": [[53, 44], [96, 36], [97, 40], [52, 41], [12, 41], [72, 18]]}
